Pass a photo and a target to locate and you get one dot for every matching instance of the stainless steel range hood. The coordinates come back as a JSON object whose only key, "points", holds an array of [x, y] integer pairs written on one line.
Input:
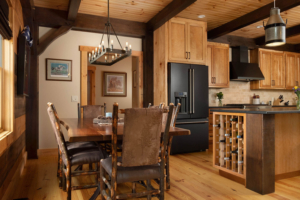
{"points": [[241, 69]]}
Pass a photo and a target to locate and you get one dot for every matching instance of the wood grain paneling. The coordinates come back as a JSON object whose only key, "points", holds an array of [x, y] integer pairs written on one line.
{"points": [[260, 161]]}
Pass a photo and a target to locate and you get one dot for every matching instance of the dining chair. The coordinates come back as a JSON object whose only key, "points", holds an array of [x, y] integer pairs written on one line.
{"points": [[169, 144], [91, 111], [76, 156], [161, 105], [69, 145], [140, 154]]}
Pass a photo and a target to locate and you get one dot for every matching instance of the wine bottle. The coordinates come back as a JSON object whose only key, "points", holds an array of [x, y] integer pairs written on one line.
{"points": [[235, 151], [240, 136], [228, 135], [217, 125], [222, 141], [227, 158], [235, 119]]}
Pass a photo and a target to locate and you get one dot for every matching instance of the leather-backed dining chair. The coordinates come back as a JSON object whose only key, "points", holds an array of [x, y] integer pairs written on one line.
{"points": [[76, 156], [140, 154], [168, 150], [69, 145], [91, 111], [161, 105]]}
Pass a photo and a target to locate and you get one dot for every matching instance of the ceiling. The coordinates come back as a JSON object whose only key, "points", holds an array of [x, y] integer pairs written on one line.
{"points": [[217, 12]]}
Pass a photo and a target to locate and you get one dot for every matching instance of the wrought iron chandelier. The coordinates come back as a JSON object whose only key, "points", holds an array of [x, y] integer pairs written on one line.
{"points": [[108, 55]]}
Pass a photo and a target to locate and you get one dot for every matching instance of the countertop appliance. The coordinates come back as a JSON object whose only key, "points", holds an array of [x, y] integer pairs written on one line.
{"points": [[188, 85], [241, 69]]}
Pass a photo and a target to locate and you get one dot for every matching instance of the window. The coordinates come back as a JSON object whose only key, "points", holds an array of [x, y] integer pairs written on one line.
{"points": [[6, 87]]}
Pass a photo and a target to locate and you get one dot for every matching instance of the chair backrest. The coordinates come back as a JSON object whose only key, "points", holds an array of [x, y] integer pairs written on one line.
{"points": [[174, 115], [91, 111], [57, 130], [161, 105]]}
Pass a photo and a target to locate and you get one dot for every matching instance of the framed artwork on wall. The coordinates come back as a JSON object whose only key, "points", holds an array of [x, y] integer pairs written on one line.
{"points": [[114, 84], [58, 70]]}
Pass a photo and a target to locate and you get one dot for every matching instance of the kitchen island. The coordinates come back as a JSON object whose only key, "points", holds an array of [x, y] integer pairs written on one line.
{"points": [[255, 146]]}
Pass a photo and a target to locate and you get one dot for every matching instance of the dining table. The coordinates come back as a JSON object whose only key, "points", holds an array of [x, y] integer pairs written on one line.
{"points": [[84, 130]]}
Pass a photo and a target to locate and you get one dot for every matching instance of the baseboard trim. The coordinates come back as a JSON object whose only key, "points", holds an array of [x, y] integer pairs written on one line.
{"points": [[9, 185], [286, 175]]}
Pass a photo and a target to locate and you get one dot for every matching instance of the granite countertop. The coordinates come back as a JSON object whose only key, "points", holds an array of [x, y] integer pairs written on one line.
{"points": [[275, 110]]}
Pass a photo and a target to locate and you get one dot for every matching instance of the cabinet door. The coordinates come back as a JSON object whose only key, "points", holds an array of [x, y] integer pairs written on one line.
{"points": [[265, 66], [196, 41], [209, 64], [278, 70], [177, 40], [220, 66], [297, 74], [290, 70]]}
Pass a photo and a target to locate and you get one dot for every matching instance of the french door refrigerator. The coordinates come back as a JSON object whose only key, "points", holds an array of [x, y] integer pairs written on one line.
{"points": [[188, 85]]}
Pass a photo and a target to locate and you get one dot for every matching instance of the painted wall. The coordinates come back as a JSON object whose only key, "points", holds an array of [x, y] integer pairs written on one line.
{"points": [[239, 92], [60, 92], [124, 102]]}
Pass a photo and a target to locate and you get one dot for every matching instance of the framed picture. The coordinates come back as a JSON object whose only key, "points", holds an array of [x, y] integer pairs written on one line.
{"points": [[58, 70], [115, 84], [134, 79]]}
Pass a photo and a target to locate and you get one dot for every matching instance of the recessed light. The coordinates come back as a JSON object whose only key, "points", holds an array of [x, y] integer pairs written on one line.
{"points": [[201, 16], [260, 26]]}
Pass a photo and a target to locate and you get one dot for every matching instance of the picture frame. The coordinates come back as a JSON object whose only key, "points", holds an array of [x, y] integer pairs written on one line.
{"points": [[114, 84], [134, 82], [58, 69]]}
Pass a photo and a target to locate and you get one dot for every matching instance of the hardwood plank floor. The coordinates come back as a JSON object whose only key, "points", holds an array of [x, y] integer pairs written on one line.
{"points": [[192, 178]]}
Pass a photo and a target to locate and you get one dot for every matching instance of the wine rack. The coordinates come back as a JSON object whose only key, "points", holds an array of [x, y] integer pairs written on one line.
{"points": [[229, 148]]}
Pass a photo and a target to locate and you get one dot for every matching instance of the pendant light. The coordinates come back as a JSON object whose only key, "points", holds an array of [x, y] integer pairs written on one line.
{"points": [[275, 29], [108, 55]]}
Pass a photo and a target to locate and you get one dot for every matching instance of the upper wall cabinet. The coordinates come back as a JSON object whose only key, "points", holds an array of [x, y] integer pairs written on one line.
{"points": [[187, 41], [272, 64], [218, 65], [292, 69]]}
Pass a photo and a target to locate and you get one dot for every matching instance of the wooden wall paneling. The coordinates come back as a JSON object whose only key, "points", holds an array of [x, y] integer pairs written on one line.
{"points": [[139, 55], [10, 156], [160, 65], [260, 166], [20, 106]]}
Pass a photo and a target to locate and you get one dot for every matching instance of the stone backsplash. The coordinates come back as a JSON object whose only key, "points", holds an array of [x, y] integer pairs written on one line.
{"points": [[239, 92]]}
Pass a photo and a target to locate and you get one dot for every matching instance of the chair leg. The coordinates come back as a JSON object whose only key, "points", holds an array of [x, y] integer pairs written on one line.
{"points": [[168, 185], [101, 181], [61, 165], [58, 164], [69, 182], [97, 167], [63, 176], [133, 187], [149, 188]]}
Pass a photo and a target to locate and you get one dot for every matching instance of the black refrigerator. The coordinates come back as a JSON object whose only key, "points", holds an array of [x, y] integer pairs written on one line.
{"points": [[188, 85]]}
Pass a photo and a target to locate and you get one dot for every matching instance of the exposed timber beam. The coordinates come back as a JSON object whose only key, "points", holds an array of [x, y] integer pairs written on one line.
{"points": [[170, 11], [73, 9], [290, 32], [90, 23], [53, 36], [252, 17]]}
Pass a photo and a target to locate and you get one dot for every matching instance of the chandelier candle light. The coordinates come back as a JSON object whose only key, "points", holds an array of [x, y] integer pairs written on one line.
{"points": [[109, 53]]}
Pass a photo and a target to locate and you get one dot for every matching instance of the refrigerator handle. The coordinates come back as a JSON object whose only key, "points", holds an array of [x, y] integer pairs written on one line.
{"points": [[190, 85], [193, 71]]}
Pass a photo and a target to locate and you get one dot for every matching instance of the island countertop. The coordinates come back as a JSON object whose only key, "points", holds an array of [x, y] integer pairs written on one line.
{"points": [[274, 110]]}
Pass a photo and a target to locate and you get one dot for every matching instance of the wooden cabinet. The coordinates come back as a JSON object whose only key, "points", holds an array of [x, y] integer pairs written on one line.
{"points": [[181, 41], [292, 69], [272, 64], [218, 62], [187, 41]]}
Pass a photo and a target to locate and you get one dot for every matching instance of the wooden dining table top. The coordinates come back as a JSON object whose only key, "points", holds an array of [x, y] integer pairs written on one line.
{"points": [[83, 130]]}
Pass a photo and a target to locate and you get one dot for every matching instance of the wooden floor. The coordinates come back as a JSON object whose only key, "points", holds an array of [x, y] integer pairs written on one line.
{"points": [[192, 177]]}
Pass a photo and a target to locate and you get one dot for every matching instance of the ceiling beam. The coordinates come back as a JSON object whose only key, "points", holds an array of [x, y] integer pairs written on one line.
{"points": [[73, 9], [290, 32], [170, 11], [90, 23], [50, 38], [252, 17]]}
